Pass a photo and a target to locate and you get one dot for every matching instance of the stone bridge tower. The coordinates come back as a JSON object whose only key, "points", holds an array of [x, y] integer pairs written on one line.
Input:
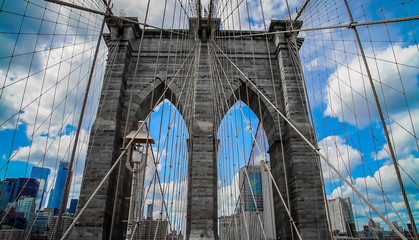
{"points": [[305, 187]]}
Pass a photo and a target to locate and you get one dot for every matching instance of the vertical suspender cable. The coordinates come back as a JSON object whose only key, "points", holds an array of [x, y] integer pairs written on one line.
{"points": [[76, 138], [383, 123]]}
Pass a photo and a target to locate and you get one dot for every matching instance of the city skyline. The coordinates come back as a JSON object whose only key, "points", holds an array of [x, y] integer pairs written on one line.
{"points": [[39, 121]]}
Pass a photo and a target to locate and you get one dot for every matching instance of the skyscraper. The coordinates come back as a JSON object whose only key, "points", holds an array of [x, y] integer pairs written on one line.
{"points": [[257, 199], [7, 189], [341, 215], [26, 205], [73, 206], [51, 195], [59, 185], [41, 174], [14, 192], [28, 187]]}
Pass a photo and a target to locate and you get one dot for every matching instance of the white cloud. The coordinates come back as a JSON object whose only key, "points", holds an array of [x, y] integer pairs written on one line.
{"points": [[340, 155], [155, 12], [391, 188], [403, 129], [48, 152], [344, 103], [45, 91], [228, 194]]}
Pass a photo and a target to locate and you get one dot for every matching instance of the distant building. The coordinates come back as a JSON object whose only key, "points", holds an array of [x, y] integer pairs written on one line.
{"points": [[51, 196], [28, 187], [40, 225], [59, 186], [16, 183], [152, 229], [257, 199], [149, 210], [26, 205], [229, 227], [175, 236], [11, 234], [41, 174], [341, 216], [14, 219], [396, 225], [73, 206], [65, 224], [6, 193]]}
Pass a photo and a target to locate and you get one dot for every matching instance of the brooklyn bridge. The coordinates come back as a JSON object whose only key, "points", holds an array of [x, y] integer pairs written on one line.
{"points": [[228, 119]]}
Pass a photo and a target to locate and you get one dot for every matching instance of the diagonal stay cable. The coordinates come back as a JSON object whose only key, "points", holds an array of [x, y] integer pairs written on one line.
{"points": [[317, 150], [89, 201]]}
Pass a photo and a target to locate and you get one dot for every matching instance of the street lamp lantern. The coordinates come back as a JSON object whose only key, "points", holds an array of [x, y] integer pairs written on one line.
{"points": [[142, 137], [139, 165]]}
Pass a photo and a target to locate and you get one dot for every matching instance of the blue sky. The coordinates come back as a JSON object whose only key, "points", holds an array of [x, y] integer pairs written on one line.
{"points": [[330, 67]]}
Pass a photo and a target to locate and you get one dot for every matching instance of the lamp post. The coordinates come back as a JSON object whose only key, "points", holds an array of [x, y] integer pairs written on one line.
{"points": [[141, 139]]}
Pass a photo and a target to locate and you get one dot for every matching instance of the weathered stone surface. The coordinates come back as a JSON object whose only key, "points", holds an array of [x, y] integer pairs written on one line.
{"points": [[301, 171]]}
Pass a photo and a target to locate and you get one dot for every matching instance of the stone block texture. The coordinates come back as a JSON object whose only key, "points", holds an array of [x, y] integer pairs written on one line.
{"points": [[130, 94]]}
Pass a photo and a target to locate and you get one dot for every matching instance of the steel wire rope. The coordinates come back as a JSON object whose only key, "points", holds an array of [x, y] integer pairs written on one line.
{"points": [[38, 164], [156, 162], [79, 151], [186, 113], [223, 153], [347, 147], [346, 135], [220, 153], [23, 95], [402, 86], [240, 107], [384, 99], [173, 161], [31, 136], [228, 111], [24, 15], [166, 138], [276, 104], [257, 81], [320, 154], [111, 169], [220, 103], [386, 133], [152, 97], [315, 128], [245, 151], [52, 107], [350, 25], [356, 116], [259, 148], [385, 104], [306, 106], [44, 155], [76, 138], [242, 157], [126, 126], [363, 97], [348, 169], [33, 74], [174, 218], [42, 86]]}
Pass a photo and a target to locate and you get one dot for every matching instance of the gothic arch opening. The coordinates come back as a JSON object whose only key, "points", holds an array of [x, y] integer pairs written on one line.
{"points": [[164, 178], [245, 202], [154, 96]]}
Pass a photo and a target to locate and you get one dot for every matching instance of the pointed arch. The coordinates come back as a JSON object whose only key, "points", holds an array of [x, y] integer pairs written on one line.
{"points": [[150, 96], [262, 109]]}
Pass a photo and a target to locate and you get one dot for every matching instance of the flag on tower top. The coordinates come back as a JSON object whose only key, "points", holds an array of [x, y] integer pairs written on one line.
{"points": [[205, 13]]}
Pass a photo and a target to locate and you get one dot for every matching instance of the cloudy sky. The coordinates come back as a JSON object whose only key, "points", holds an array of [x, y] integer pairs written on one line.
{"points": [[44, 71]]}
